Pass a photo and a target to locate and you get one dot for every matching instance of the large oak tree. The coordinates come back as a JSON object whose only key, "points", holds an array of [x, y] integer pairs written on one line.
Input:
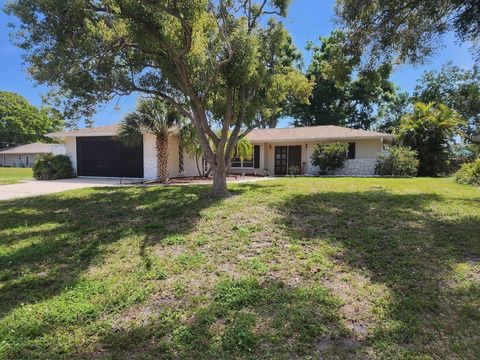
{"points": [[409, 30], [23, 123], [217, 61]]}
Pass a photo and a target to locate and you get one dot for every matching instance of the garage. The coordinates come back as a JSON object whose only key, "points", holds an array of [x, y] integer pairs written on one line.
{"points": [[106, 157]]}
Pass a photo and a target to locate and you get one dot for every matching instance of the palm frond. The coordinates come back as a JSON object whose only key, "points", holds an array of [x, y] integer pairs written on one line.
{"points": [[130, 132]]}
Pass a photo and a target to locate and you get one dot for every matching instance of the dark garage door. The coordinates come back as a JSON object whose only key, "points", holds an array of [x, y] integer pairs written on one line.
{"points": [[104, 156]]}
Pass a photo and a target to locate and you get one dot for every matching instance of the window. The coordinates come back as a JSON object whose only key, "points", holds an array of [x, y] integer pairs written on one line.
{"points": [[351, 151], [181, 160], [253, 162]]}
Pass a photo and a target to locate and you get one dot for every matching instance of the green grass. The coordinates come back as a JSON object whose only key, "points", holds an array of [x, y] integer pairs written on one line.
{"points": [[289, 268], [13, 175]]}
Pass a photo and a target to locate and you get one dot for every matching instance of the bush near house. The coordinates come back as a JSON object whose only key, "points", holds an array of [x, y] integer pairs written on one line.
{"points": [[469, 174], [397, 161], [52, 167], [329, 157]]}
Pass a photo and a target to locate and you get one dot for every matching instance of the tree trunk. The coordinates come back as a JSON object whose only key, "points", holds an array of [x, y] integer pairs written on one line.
{"points": [[198, 167], [219, 181], [162, 158]]}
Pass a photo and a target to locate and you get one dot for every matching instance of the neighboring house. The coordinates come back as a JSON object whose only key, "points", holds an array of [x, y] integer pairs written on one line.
{"points": [[25, 155], [476, 139], [95, 152]]}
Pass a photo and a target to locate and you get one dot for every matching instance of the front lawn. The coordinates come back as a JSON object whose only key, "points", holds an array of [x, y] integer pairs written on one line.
{"points": [[288, 268], [12, 175]]}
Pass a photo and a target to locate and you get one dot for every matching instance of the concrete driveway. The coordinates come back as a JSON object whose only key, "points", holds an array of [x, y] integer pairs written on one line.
{"points": [[37, 187]]}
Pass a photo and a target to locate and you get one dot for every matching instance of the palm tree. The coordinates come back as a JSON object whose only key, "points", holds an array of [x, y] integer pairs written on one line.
{"points": [[190, 143], [151, 115], [430, 129]]}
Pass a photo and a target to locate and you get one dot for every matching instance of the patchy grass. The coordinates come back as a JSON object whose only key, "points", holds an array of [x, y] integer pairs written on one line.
{"points": [[333, 268], [12, 175]]}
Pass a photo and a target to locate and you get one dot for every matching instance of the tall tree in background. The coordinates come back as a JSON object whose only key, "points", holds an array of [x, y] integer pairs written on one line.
{"points": [[430, 129], [391, 112], [342, 95], [455, 87], [215, 61], [408, 30], [23, 123]]}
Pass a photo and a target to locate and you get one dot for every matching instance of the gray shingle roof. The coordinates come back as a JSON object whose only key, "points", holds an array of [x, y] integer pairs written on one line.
{"points": [[35, 148]]}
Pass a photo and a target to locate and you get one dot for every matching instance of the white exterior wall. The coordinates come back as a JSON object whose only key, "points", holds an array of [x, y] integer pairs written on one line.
{"points": [[71, 146], [17, 160], [149, 157]]}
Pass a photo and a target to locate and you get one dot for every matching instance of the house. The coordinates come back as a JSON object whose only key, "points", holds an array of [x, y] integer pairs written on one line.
{"points": [[95, 152], [476, 139], [25, 155]]}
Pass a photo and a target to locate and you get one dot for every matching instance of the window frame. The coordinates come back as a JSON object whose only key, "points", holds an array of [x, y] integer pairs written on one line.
{"points": [[349, 150], [237, 160]]}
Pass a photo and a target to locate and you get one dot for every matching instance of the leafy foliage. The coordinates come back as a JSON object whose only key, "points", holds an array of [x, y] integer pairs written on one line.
{"points": [[429, 130], [457, 88], [340, 96], [469, 174], [156, 117], [329, 157], [52, 167], [23, 123], [397, 161], [391, 112], [217, 62], [409, 30]]}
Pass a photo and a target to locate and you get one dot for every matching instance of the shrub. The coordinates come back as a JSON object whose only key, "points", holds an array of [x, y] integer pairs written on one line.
{"points": [[329, 157], [293, 170], [397, 161], [51, 167], [469, 174]]}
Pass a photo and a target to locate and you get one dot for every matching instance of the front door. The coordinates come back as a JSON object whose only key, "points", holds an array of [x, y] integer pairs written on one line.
{"points": [[295, 158], [287, 156], [281, 160]]}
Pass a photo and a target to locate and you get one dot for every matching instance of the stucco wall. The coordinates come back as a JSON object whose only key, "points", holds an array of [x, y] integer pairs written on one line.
{"points": [[71, 146], [149, 157], [17, 160]]}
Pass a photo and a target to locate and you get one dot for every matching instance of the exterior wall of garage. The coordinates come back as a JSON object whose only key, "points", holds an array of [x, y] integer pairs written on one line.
{"points": [[71, 147]]}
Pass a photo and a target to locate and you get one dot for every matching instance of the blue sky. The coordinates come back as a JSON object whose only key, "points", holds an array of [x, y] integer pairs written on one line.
{"points": [[307, 20]]}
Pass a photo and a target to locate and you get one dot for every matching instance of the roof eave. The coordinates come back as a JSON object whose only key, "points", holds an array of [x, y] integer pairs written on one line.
{"points": [[387, 139]]}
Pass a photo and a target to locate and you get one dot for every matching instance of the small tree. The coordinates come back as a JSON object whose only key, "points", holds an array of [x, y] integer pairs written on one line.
{"points": [[397, 161], [329, 157], [157, 117], [430, 130]]}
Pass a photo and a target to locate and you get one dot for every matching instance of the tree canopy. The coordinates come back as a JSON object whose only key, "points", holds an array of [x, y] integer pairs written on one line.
{"points": [[457, 88], [430, 129], [217, 62], [408, 30], [342, 95], [23, 123]]}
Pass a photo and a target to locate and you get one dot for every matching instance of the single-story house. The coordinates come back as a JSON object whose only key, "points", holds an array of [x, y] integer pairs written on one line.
{"points": [[25, 155], [95, 152]]}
